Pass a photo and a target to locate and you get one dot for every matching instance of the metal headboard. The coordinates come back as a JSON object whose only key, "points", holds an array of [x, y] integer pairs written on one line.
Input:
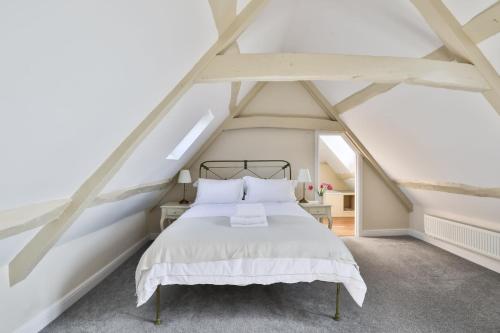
{"points": [[229, 169]]}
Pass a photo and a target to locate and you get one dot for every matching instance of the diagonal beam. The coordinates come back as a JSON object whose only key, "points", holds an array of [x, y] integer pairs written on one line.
{"points": [[451, 33], [35, 250], [455, 188], [224, 12], [340, 67], [479, 28], [325, 105]]}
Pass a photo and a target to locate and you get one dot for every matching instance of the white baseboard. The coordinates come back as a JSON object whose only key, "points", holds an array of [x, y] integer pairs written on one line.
{"points": [[476, 258], [46, 316], [384, 232]]}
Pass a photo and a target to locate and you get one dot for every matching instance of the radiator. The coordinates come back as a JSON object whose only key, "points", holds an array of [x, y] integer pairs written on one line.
{"points": [[475, 239]]}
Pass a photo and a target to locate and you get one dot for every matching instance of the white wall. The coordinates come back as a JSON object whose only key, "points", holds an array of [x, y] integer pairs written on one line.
{"points": [[77, 77], [65, 268]]}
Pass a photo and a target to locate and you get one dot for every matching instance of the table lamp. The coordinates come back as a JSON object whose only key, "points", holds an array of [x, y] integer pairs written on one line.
{"points": [[304, 177], [184, 178]]}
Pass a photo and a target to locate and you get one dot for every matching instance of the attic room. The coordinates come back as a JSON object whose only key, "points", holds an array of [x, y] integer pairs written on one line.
{"points": [[255, 165]]}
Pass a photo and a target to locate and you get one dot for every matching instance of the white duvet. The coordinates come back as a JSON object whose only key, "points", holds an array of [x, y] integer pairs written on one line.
{"points": [[202, 248]]}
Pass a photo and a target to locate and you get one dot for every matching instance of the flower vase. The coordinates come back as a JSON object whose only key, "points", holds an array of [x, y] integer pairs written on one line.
{"points": [[322, 199]]}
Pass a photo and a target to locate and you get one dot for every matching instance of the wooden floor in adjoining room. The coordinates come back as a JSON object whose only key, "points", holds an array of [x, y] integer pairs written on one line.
{"points": [[342, 226]]}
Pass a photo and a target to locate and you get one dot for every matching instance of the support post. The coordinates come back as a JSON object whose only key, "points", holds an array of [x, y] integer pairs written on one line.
{"points": [[158, 303], [337, 305]]}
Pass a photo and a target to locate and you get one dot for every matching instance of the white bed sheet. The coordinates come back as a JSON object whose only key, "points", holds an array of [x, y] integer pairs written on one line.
{"points": [[168, 263]]}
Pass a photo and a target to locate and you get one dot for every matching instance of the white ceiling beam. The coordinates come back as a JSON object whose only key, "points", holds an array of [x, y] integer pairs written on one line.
{"points": [[455, 188], [376, 89], [21, 219], [339, 67], [126, 193], [480, 27], [44, 240], [453, 36], [224, 12], [326, 106], [301, 123]]}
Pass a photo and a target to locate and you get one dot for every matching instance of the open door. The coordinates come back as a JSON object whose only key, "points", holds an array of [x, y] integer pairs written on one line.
{"points": [[337, 165]]}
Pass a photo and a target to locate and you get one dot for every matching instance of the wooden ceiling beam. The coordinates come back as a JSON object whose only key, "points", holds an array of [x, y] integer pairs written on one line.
{"points": [[18, 220], [479, 28], [339, 67], [455, 188], [224, 12], [301, 123], [451, 33], [45, 239]]}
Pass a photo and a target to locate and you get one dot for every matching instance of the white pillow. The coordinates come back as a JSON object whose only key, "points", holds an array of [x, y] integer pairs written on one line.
{"points": [[269, 190], [214, 191]]}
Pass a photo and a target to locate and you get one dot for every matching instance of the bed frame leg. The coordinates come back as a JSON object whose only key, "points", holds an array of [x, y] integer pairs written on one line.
{"points": [[337, 305], [158, 303]]}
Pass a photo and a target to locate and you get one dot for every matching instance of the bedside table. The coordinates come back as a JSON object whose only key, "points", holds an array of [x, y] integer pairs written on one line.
{"points": [[319, 210], [171, 211]]}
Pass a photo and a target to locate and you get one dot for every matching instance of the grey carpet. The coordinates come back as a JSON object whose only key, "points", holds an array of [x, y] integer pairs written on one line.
{"points": [[412, 287]]}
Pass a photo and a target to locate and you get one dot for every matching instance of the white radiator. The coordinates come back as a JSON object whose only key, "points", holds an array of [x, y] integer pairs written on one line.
{"points": [[476, 239]]}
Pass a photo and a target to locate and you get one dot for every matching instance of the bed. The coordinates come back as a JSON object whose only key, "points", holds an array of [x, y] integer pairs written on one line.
{"points": [[201, 247]]}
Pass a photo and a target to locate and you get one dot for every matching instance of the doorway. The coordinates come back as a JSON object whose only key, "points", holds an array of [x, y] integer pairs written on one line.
{"points": [[337, 165]]}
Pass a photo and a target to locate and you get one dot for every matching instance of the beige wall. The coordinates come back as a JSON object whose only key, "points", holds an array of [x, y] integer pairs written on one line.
{"points": [[327, 175], [64, 268], [286, 99], [294, 146], [381, 208]]}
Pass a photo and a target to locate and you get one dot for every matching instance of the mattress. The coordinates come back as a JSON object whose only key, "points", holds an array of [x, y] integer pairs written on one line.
{"points": [[201, 247]]}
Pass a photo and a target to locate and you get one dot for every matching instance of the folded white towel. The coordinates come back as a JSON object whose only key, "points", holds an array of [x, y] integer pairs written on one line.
{"points": [[253, 209], [253, 221]]}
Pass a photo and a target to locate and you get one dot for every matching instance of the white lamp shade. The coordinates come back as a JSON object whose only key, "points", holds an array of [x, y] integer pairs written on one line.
{"points": [[304, 176], [184, 177]]}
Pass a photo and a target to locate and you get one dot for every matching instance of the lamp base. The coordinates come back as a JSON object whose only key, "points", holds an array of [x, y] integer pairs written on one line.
{"points": [[303, 200], [183, 202]]}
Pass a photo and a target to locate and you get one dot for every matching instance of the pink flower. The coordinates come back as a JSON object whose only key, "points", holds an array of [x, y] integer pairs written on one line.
{"points": [[329, 187], [321, 186], [310, 187]]}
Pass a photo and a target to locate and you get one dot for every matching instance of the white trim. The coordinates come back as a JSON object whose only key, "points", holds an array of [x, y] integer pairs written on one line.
{"points": [[476, 258], [358, 194], [358, 177], [46, 316], [384, 232]]}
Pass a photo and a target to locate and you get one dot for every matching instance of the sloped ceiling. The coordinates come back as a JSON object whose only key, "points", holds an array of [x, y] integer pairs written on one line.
{"points": [[77, 77]]}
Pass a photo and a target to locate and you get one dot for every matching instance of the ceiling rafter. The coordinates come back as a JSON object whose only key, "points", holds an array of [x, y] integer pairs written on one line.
{"points": [[24, 262], [340, 67], [479, 28], [224, 12], [301, 123], [334, 115], [21, 219], [453, 36], [455, 188]]}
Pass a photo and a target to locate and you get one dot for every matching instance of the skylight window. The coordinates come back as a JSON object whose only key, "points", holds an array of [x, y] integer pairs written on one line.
{"points": [[191, 137], [341, 149]]}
